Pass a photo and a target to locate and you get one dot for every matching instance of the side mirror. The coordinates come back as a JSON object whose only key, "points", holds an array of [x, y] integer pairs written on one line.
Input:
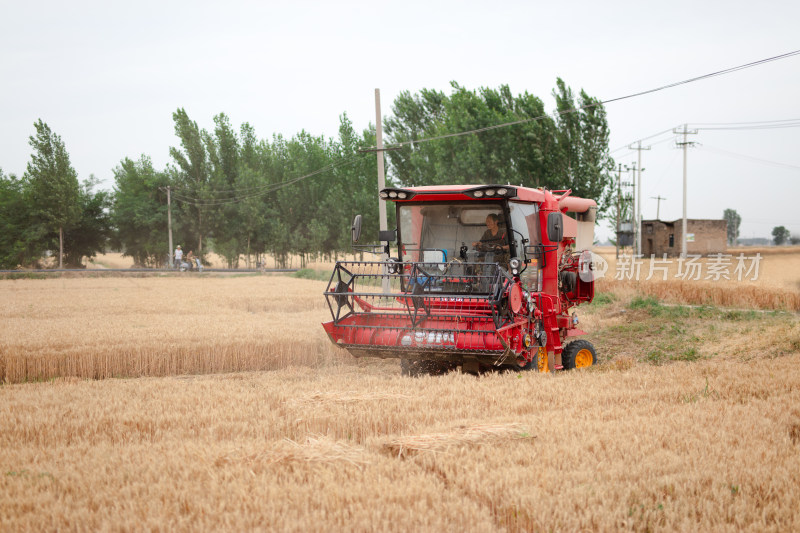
{"points": [[355, 229], [555, 227]]}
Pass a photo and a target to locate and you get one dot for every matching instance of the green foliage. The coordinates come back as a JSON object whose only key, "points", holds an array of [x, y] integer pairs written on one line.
{"points": [[568, 152], [92, 232], [242, 196], [21, 234], [780, 235], [734, 220], [309, 273], [644, 302], [139, 213], [583, 163], [51, 181], [603, 298], [192, 179], [48, 204]]}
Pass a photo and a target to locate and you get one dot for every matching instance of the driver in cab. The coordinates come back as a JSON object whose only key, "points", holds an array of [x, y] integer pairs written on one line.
{"points": [[494, 238]]}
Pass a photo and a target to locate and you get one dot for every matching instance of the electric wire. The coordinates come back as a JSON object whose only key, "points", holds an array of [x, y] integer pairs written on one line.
{"points": [[756, 122], [603, 102], [626, 154], [202, 202], [748, 128], [755, 125], [642, 139], [270, 188], [257, 188], [748, 157]]}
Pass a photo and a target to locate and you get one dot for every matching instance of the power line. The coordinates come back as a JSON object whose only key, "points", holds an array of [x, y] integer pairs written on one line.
{"points": [[269, 189], [603, 102], [747, 128], [748, 157], [755, 125], [644, 139], [626, 154], [211, 202], [756, 122]]}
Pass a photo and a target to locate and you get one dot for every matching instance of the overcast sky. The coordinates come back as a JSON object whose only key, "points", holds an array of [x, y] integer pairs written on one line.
{"points": [[107, 76]]}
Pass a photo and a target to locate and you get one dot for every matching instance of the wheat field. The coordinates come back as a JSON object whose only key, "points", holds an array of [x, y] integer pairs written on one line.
{"points": [[773, 284], [200, 403]]}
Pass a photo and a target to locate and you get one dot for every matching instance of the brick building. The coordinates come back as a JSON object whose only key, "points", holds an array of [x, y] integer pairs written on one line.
{"points": [[704, 237]]}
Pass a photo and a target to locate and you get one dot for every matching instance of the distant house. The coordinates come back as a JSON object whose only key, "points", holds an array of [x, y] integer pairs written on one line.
{"points": [[703, 237]]}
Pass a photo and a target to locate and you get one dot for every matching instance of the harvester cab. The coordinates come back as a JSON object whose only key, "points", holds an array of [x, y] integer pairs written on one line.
{"points": [[481, 277]]}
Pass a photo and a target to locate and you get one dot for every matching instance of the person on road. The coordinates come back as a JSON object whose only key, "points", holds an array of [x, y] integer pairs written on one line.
{"points": [[194, 262], [178, 256]]}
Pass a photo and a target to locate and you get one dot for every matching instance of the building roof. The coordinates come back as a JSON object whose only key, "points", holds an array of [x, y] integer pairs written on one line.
{"points": [[673, 222]]}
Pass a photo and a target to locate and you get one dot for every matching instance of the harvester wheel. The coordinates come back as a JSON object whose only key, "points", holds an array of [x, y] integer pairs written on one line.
{"points": [[409, 368], [578, 354]]}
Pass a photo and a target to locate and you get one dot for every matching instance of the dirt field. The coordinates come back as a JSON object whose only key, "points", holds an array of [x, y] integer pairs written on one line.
{"points": [[226, 408]]}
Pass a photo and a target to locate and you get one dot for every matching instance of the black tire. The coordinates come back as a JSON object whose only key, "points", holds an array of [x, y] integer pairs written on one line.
{"points": [[409, 368], [578, 354]]}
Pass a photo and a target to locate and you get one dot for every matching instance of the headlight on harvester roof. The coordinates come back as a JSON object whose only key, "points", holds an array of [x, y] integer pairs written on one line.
{"points": [[488, 191], [396, 194]]}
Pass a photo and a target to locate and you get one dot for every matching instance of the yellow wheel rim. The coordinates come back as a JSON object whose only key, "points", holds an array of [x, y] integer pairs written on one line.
{"points": [[542, 360], [583, 358]]}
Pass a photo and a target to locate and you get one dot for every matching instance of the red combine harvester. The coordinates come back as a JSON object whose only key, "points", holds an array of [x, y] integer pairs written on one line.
{"points": [[484, 277]]}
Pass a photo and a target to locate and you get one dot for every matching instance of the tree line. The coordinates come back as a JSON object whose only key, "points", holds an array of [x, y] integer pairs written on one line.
{"points": [[240, 196]]}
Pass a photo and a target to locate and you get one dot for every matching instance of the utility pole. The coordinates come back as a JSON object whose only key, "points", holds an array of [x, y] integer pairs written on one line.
{"points": [[634, 207], [381, 180], [621, 199], [658, 204], [639, 149], [619, 205], [379, 152], [169, 222], [685, 144]]}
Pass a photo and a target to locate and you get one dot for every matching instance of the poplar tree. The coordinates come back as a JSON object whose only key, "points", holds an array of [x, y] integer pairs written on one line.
{"points": [[734, 220], [192, 176], [568, 150], [53, 184]]}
